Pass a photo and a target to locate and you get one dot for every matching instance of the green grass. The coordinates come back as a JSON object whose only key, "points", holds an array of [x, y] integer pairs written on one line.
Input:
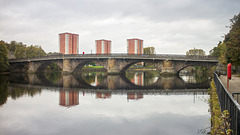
{"points": [[95, 67]]}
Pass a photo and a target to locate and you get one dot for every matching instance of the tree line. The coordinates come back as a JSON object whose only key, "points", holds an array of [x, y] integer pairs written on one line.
{"points": [[17, 50], [228, 50]]}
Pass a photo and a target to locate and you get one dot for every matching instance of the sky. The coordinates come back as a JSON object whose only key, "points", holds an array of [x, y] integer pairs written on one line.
{"points": [[171, 26]]}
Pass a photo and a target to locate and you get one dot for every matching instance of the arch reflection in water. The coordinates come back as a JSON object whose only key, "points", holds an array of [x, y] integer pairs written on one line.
{"points": [[70, 86], [142, 78], [133, 80], [93, 78]]}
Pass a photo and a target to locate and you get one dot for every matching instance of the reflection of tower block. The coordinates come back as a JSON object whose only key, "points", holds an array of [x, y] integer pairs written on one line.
{"points": [[134, 96], [167, 67], [138, 79], [69, 98], [103, 95], [139, 64]]}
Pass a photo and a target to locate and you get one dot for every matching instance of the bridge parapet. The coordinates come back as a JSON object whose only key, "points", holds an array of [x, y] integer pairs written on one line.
{"points": [[120, 56]]}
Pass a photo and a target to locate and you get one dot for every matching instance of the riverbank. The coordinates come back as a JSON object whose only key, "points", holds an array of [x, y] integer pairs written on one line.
{"points": [[214, 109], [222, 124], [219, 120]]}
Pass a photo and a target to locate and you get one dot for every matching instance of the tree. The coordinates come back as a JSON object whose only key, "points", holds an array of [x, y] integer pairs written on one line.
{"points": [[53, 53], [232, 40], [12, 46], [3, 56], [149, 50], [20, 51], [195, 52], [216, 51], [34, 51], [220, 52], [222, 56]]}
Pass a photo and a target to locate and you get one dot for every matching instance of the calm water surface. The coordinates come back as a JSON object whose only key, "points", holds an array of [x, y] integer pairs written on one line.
{"points": [[96, 104]]}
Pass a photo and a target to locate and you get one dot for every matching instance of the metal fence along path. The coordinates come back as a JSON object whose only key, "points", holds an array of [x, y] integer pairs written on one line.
{"points": [[227, 102]]}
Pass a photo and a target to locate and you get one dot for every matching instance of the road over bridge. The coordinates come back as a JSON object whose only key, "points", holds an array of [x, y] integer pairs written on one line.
{"points": [[113, 63]]}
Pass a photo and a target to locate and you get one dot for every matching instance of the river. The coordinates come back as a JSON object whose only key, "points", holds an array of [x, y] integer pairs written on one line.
{"points": [[139, 103]]}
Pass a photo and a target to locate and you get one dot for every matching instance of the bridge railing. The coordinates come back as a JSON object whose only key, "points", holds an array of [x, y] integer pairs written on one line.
{"points": [[125, 55], [227, 102]]}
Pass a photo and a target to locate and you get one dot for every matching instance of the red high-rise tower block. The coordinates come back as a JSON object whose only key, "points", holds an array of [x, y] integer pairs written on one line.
{"points": [[103, 46], [68, 43], [135, 46]]}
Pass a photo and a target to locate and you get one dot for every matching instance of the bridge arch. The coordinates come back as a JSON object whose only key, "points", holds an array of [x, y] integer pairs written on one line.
{"points": [[79, 65], [129, 65], [41, 66], [182, 65], [18, 67]]}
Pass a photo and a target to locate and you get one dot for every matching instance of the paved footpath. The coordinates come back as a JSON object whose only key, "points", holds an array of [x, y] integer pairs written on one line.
{"points": [[234, 84]]}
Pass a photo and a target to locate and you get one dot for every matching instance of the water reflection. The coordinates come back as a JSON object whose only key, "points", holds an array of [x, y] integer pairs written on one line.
{"points": [[107, 104], [120, 114], [193, 78], [103, 95], [70, 85], [93, 78], [15, 91], [134, 96], [132, 80], [69, 98], [3, 89], [142, 78], [136, 78]]}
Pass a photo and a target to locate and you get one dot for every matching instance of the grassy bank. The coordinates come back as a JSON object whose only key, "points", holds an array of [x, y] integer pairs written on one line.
{"points": [[219, 121], [95, 67]]}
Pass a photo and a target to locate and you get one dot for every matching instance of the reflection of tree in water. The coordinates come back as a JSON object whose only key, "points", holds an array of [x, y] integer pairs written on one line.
{"points": [[150, 77], [194, 78], [130, 75], [194, 74], [3, 89], [53, 77], [100, 77], [16, 92], [201, 78]]}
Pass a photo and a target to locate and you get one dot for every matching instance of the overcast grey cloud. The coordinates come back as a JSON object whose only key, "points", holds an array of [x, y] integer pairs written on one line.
{"points": [[173, 26]]}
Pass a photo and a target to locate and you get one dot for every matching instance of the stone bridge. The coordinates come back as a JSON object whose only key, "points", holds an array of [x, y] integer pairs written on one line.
{"points": [[113, 63]]}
